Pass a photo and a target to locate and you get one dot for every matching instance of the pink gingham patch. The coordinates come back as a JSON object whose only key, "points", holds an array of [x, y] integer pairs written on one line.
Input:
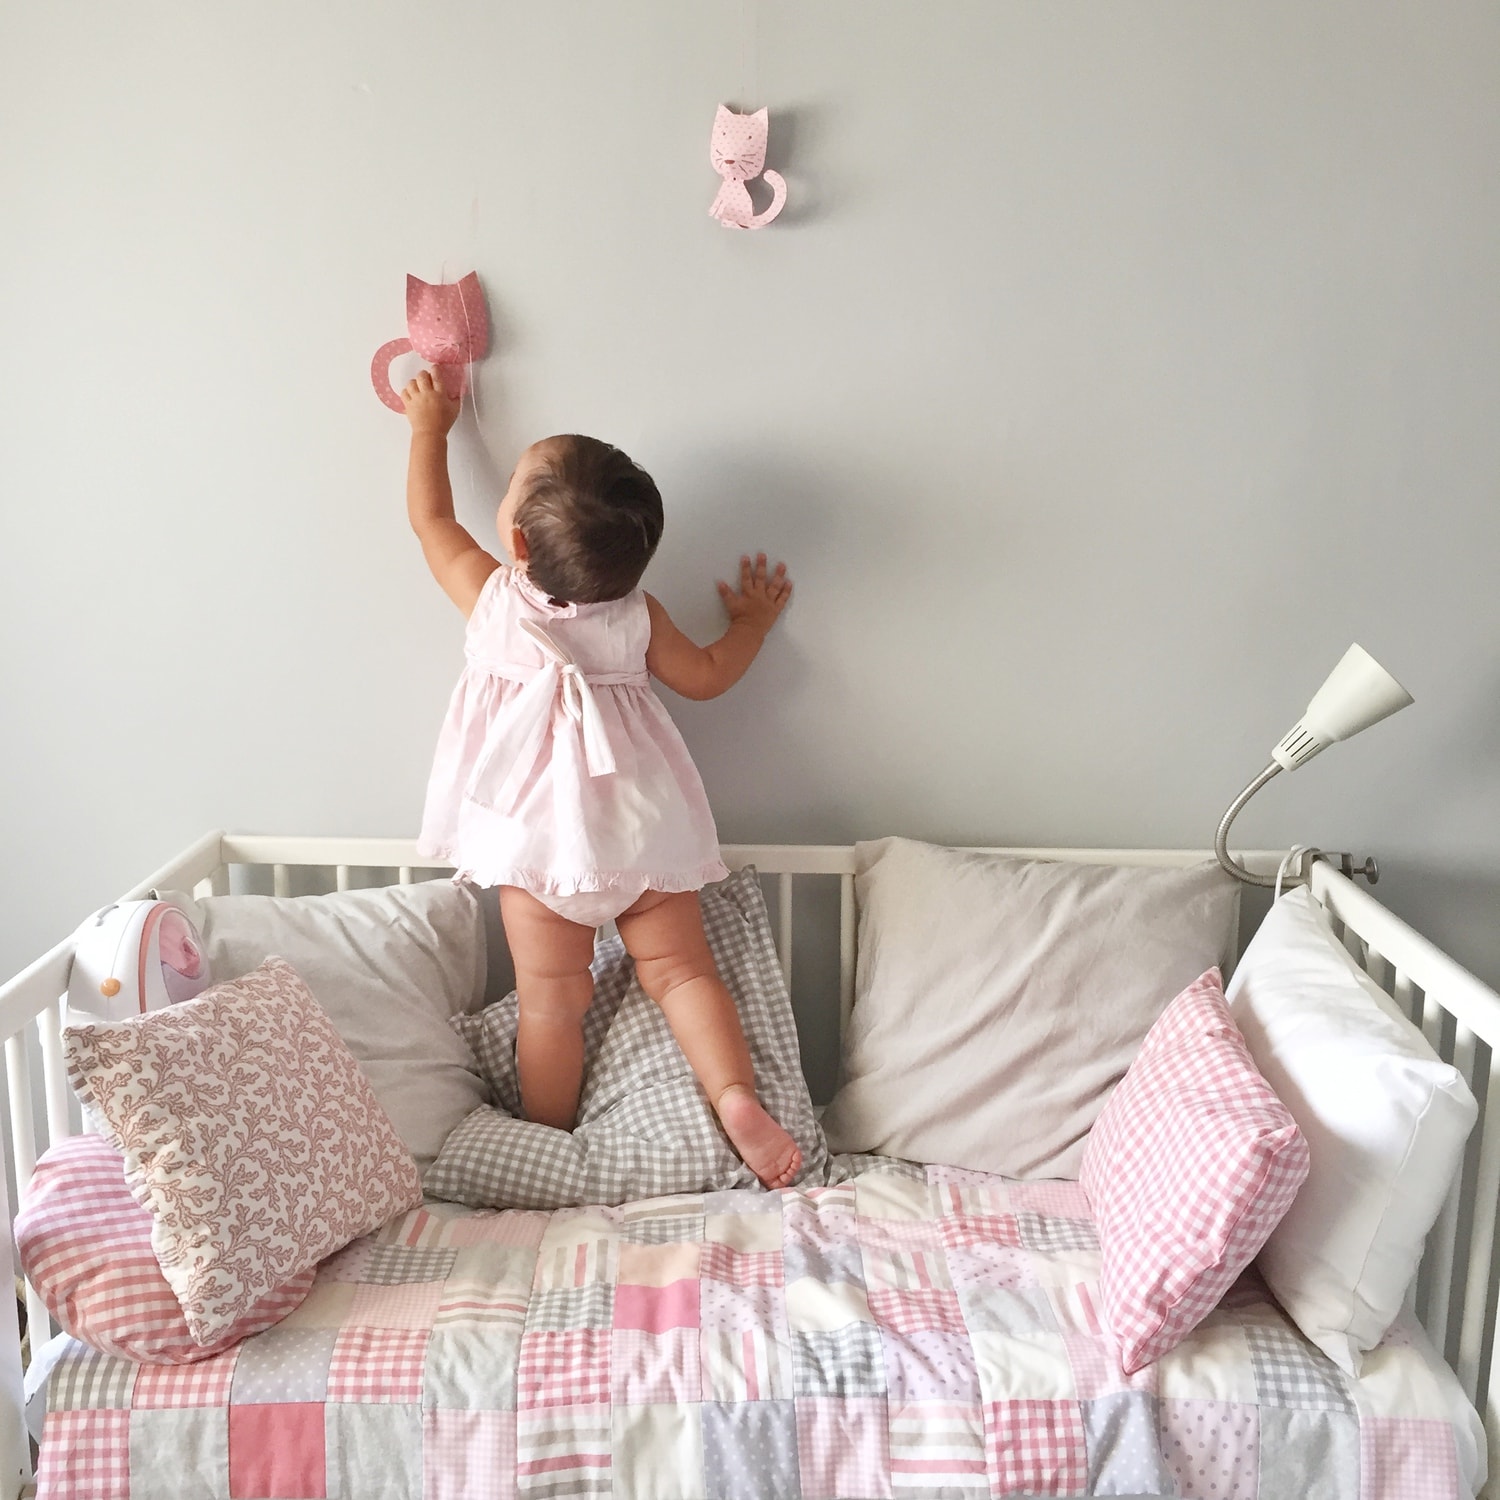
{"points": [[1408, 1457], [85, 1456], [468, 1455], [377, 1364], [204, 1383], [569, 1368], [1191, 1165], [843, 1447], [1035, 1448]]}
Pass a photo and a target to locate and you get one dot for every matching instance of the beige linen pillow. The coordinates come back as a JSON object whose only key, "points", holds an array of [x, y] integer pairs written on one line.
{"points": [[249, 1132], [391, 966], [998, 1001]]}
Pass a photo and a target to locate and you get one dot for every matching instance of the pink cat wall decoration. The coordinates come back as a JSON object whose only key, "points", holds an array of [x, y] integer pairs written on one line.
{"points": [[738, 152], [447, 325]]}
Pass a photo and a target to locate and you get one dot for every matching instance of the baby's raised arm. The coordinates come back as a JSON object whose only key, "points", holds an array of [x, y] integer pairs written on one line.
{"points": [[706, 671], [457, 561]]}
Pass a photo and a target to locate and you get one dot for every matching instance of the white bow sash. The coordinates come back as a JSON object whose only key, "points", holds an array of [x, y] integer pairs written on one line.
{"points": [[517, 738]]}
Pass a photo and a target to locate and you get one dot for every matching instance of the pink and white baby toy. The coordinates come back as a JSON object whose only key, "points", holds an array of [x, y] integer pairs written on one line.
{"points": [[447, 325], [738, 152]]}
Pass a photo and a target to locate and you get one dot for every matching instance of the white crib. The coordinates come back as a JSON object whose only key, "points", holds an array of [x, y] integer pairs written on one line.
{"points": [[1456, 1289]]}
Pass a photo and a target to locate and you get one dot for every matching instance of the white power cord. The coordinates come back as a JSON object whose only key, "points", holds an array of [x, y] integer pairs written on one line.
{"points": [[1292, 855]]}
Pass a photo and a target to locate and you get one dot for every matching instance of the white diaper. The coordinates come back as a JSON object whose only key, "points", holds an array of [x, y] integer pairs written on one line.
{"points": [[590, 908]]}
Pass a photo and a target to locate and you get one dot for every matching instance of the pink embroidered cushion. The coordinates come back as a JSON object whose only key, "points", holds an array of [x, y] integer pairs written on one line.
{"points": [[249, 1132], [1190, 1166], [85, 1245]]}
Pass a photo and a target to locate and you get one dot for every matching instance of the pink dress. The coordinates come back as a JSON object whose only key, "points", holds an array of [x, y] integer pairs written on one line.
{"points": [[558, 769]]}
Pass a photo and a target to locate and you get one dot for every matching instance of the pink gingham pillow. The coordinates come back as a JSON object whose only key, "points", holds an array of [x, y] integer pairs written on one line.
{"points": [[85, 1245], [1188, 1169], [249, 1132]]}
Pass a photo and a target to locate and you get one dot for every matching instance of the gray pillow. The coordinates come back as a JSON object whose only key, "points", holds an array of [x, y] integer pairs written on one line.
{"points": [[644, 1126], [998, 1001], [391, 966]]}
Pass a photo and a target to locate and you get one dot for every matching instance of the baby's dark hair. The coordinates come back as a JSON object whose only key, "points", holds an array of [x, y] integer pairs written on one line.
{"points": [[592, 518]]}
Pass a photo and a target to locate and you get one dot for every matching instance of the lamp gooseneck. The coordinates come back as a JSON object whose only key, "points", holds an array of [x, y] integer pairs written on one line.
{"points": [[1221, 839]]}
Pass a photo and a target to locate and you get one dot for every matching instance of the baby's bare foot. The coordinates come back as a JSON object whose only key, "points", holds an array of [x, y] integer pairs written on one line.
{"points": [[763, 1145]]}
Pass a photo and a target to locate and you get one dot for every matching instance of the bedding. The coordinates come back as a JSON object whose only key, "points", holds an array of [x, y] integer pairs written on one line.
{"points": [[84, 1243], [1191, 1165], [391, 967], [913, 1333], [249, 1132], [1041, 977], [1385, 1119], [644, 1127]]}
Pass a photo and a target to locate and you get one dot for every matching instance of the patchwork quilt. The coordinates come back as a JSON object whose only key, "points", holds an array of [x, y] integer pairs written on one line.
{"points": [[916, 1334]]}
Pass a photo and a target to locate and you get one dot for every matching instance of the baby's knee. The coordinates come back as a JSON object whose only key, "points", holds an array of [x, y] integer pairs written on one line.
{"points": [[659, 977], [553, 997]]}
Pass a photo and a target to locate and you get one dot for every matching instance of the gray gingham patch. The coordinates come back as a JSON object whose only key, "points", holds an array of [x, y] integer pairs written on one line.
{"points": [[846, 1361], [1291, 1373], [397, 1265], [645, 1128], [85, 1378]]}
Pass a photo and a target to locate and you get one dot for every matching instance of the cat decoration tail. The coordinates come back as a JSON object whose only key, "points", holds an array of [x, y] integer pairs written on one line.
{"points": [[737, 150], [448, 325]]}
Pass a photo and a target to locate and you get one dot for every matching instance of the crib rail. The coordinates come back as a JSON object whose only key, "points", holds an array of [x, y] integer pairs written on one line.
{"points": [[1455, 1294], [1457, 1287]]}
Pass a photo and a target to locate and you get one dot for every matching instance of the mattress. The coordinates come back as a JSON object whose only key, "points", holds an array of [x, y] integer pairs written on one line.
{"points": [[916, 1333]]}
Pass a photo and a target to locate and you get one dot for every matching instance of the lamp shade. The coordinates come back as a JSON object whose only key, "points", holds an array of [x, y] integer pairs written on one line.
{"points": [[1359, 692]]}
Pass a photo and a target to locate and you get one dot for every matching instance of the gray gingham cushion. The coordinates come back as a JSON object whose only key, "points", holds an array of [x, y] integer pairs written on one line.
{"points": [[644, 1128]]}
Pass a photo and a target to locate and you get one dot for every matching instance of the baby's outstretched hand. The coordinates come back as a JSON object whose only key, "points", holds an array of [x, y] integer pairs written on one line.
{"points": [[759, 598], [428, 406]]}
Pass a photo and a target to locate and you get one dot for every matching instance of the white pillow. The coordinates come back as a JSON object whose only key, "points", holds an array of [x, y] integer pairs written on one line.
{"points": [[1385, 1121], [391, 966], [998, 1001]]}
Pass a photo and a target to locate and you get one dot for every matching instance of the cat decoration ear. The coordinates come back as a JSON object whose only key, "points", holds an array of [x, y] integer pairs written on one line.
{"points": [[737, 149]]}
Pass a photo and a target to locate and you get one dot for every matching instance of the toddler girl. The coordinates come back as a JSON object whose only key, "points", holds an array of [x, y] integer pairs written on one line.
{"points": [[559, 776]]}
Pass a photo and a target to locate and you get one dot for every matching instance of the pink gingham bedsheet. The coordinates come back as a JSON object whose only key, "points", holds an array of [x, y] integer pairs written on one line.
{"points": [[909, 1334]]}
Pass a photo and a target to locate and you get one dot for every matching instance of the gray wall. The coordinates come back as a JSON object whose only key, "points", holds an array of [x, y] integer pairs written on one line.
{"points": [[1113, 368]]}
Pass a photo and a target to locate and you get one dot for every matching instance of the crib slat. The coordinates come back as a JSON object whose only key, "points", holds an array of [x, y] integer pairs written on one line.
{"points": [[38, 1320], [784, 925], [1436, 1275], [403, 875], [1482, 1236], [22, 1133], [1404, 993], [341, 877], [219, 881], [281, 880], [846, 951], [54, 1075], [1431, 1023]]}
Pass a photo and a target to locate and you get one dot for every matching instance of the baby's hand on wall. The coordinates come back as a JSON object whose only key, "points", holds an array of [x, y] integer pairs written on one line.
{"points": [[759, 599], [428, 406]]}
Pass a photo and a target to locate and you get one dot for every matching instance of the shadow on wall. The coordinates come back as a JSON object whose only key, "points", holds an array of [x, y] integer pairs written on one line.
{"points": [[1455, 906]]}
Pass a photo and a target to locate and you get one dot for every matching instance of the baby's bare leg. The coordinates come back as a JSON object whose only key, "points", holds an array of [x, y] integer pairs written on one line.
{"points": [[554, 987], [663, 933]]}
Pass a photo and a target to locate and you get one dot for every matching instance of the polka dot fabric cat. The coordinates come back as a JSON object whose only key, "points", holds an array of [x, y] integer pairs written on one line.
{"points": [[447, 324], [738, 152]]}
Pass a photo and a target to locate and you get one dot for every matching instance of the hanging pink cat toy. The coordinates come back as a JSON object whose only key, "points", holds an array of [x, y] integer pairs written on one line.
{"points": [[738, 152], [447, 325]]}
